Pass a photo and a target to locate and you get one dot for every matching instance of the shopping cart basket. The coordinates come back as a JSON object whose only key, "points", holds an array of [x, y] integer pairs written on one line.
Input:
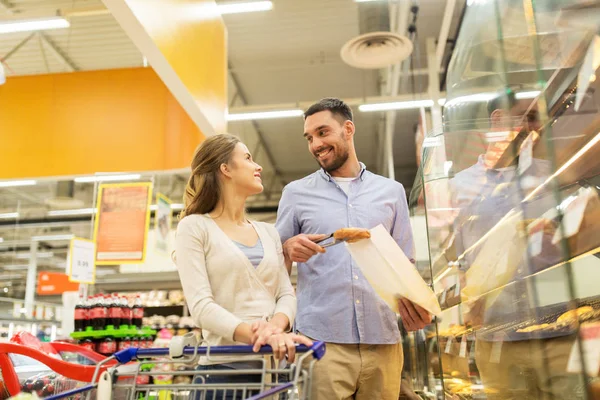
{"points": [[123, 379]]}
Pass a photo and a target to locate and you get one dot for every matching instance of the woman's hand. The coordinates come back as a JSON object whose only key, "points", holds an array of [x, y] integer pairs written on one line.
{"points": [[261, 331], [285, 343]]}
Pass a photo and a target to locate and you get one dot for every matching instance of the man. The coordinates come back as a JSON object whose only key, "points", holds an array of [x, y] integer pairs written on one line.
{"points": [[526, 367], [335, 302]]}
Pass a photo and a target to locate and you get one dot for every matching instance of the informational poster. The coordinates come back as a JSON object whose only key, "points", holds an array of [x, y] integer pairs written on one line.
{"points": [[122, 222], [53, 283], [82, 266], [162, 223]]}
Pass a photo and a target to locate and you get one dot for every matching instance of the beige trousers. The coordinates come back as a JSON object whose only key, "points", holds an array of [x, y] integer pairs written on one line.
{"points": [[359, 372]]}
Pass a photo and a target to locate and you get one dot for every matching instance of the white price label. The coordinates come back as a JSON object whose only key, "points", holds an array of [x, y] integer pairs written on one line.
{"points": [[573, 215], [526, 154], [449, 345], [535, 243], [463, 347], [443, 300], [496, 351], [82, 264]]}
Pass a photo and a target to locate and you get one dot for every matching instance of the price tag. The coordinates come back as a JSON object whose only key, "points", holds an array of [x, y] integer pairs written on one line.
{"points": [[526, 154], [590, 339], [535, 238], [449, 345], [17, 310], [496, 348], [573, 215], [463, 347], [443, 300], [82, 261]]}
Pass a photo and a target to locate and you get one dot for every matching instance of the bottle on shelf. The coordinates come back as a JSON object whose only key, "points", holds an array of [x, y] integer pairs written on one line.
{"points": [[99, 313], [138, 312], [114, 311], [125, 311], [82, 317]]}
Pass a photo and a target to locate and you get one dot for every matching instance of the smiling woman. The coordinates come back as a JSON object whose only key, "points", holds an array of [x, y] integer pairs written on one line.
{"points": [[218, 252]]}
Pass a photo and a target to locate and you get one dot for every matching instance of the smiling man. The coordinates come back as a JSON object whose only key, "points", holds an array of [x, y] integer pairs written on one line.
{"points": [[336, 304]]}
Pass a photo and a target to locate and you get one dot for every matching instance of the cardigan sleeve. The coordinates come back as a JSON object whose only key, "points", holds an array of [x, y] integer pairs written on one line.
{"points": [[285, 298], [191, 263]]}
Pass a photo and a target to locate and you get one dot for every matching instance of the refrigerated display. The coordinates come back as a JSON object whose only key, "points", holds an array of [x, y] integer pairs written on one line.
{"points": [[510, 189]]}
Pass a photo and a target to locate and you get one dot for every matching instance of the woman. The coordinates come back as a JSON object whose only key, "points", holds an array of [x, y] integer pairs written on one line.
{"points": [[232, 270]]}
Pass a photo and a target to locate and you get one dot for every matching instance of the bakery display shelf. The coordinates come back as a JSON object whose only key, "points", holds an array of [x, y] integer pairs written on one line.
{"points": [[545, 315], [451, 289]]}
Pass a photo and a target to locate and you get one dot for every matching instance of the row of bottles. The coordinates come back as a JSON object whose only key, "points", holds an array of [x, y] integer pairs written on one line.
{"points": [[108, 345], [102, 310]]}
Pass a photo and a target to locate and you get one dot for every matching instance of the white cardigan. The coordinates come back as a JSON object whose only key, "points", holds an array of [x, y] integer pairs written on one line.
{"points": [[222, 288]]}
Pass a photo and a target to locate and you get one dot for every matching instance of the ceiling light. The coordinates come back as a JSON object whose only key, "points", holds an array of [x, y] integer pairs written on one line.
{"points": [[41, 254], [34, 25], [264, 115], [9, 215], [78, 211], [29, 182], [245, 7], [527, 95], [107, 178], [396, 105], [48, 238]]}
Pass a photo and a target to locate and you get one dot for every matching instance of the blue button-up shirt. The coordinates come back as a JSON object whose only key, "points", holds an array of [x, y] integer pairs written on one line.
{"points": [[335, 302]]}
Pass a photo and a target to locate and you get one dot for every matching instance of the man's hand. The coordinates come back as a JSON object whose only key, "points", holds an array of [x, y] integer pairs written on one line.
{"points": [[414, 317], [302, 247]]}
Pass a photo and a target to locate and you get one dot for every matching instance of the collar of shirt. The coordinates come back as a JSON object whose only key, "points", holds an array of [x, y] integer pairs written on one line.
{"points": [[327, 176]]}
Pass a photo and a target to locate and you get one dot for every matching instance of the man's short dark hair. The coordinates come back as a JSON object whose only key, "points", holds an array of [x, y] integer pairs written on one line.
{"points": [[337, 107], [505, 100]]}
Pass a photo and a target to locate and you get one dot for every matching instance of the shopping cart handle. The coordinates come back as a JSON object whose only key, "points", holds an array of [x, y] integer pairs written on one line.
{"points": [[125, 356]]}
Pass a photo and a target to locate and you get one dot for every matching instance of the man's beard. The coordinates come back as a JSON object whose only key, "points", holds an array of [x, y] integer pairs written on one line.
{"points": [[337, 162]]}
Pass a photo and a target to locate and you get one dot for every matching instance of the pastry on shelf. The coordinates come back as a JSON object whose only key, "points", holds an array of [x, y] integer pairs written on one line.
{"points": [[571, 316], [533, 328]]}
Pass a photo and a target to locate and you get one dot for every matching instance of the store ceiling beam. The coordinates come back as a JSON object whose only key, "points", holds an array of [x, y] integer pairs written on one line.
{"points": [[17, 47], [44, 221], [444, 32], [58, 53], [356, 101], [261, 138], [6, 7]]}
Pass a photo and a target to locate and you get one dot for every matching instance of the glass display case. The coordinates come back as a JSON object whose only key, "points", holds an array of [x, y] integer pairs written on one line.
{"points": [[510, 192]]}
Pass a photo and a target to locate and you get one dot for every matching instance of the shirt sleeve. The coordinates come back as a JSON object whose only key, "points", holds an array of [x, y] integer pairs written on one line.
{"points": [[191, 262], [401, 229], [287, 223], [286, 298]]}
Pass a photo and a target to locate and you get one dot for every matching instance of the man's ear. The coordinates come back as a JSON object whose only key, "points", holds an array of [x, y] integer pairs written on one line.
{"points": [[225, 170], [497, 118], [349, 129]]}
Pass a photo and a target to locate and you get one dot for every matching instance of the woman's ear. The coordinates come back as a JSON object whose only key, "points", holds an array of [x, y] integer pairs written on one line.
{"points": [[225, 170]]}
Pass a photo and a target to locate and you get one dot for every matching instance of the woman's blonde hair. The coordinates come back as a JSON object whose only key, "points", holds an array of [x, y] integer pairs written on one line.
{"points": [[203, 190]]}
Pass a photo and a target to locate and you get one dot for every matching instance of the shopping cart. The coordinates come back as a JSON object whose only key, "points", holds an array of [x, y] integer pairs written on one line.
{"points": [[120, 381]]}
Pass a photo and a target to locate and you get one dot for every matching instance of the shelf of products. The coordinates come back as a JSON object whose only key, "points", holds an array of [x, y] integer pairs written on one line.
{"points": [[511, 192]]}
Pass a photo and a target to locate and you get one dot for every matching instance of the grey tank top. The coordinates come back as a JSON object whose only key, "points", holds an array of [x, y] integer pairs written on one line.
{"points": [[255, 254]]}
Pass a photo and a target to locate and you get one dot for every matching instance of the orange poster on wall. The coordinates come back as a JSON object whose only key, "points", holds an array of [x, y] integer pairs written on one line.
{"points": [[121, 227], [53, 283]]}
